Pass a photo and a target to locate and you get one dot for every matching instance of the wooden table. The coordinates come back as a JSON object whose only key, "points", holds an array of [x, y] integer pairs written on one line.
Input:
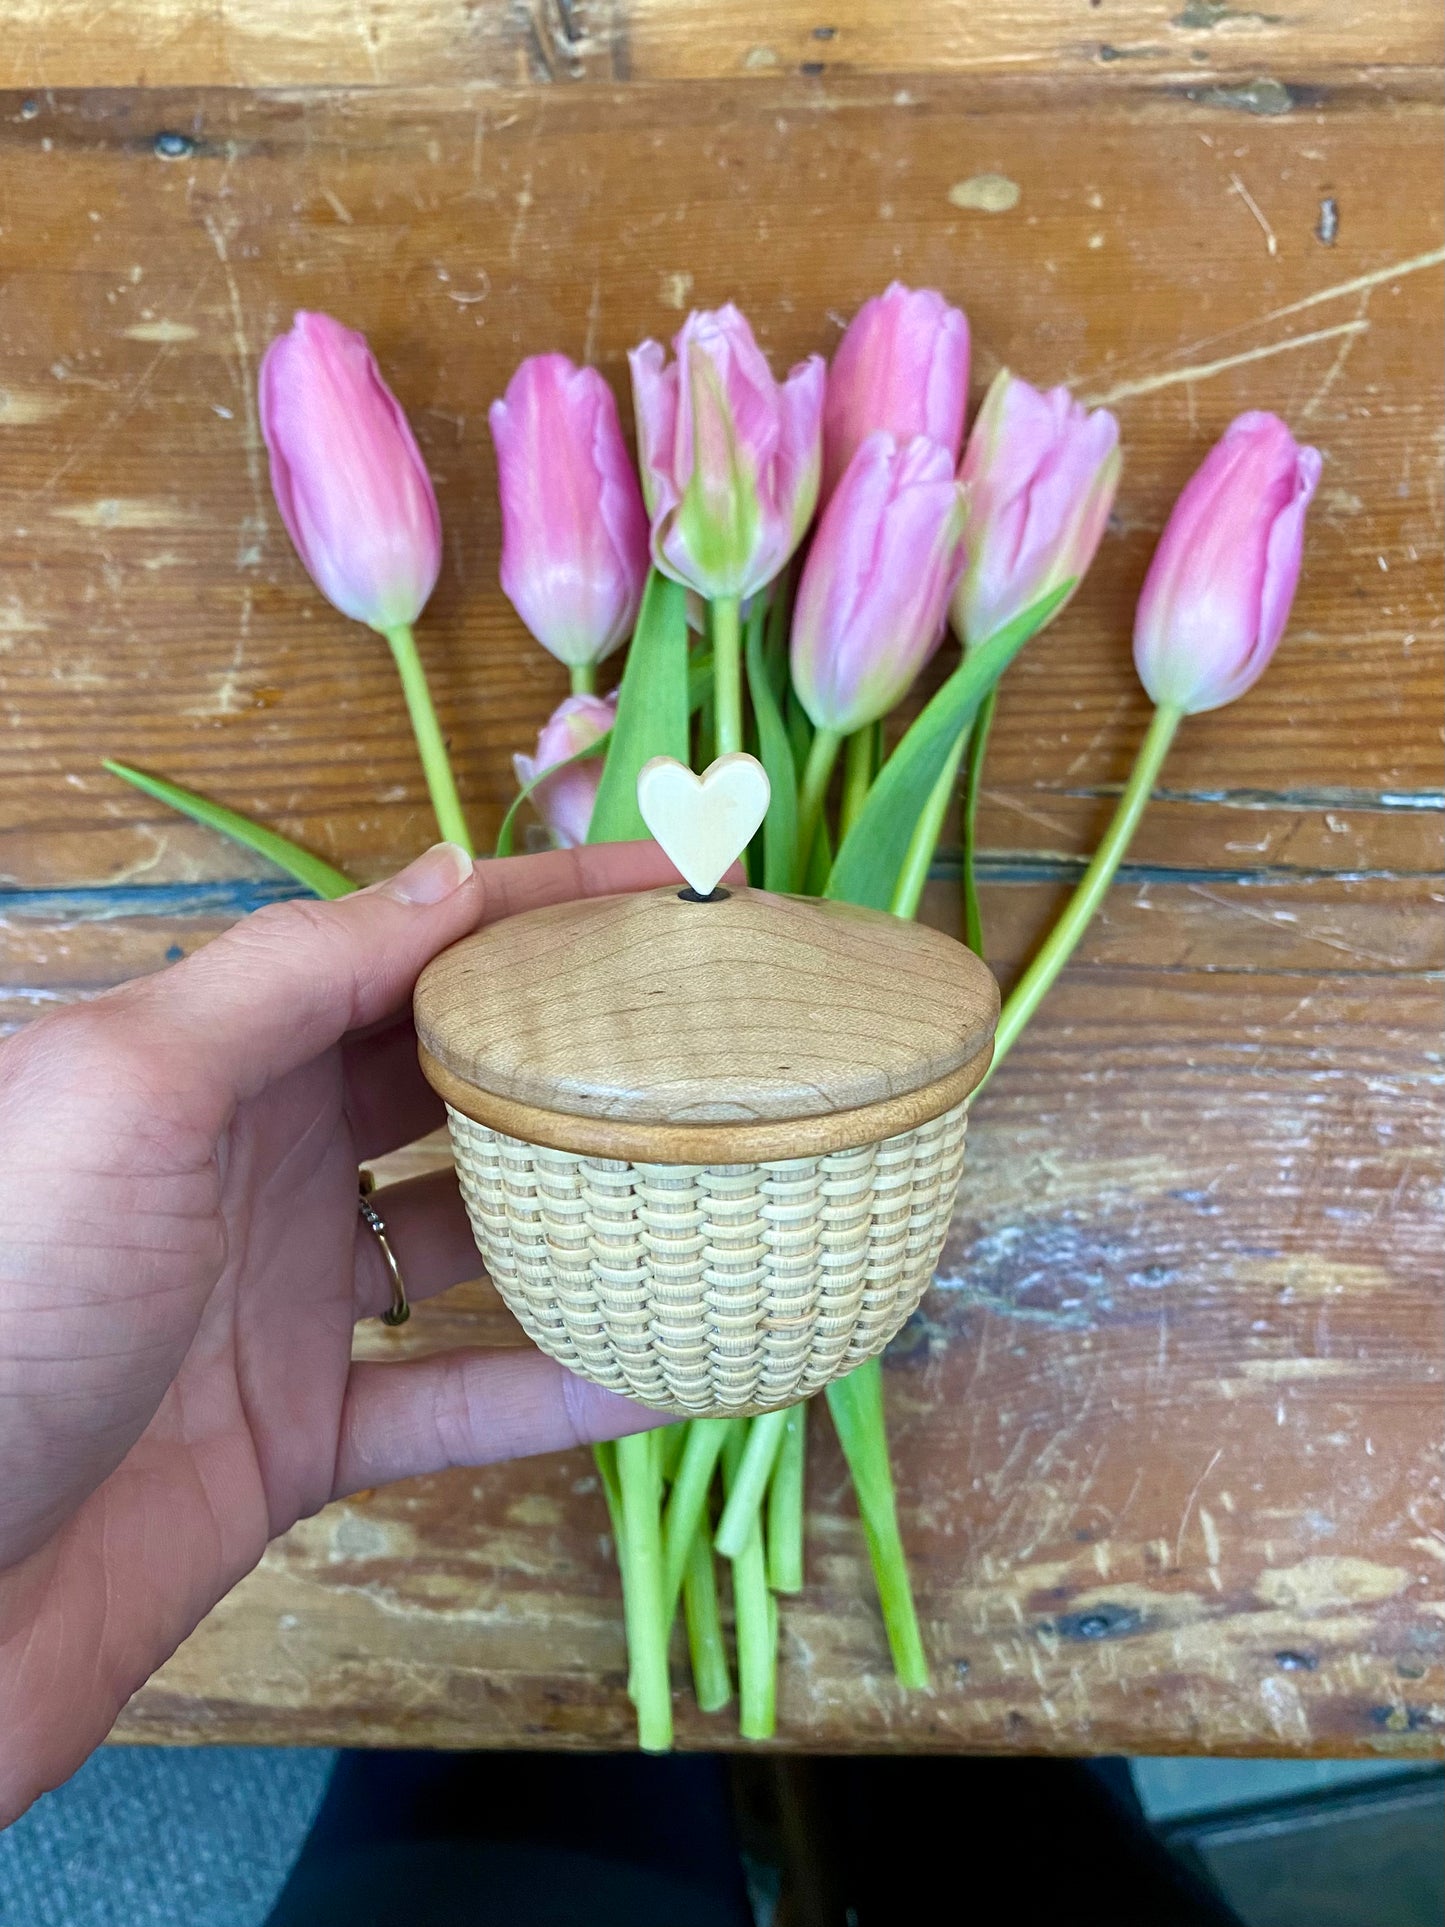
{"points": [[1166, 1430]]}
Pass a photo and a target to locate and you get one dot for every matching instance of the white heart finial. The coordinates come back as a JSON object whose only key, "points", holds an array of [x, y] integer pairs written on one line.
{"points": [[705, 822]]}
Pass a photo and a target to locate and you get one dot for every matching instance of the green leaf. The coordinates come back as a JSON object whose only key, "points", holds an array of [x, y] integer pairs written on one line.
{"points": [[972, 791], [699, 679], [652, 710], [316, 874], [506, 835], [780, 825], [867, 866], [775, 644]]}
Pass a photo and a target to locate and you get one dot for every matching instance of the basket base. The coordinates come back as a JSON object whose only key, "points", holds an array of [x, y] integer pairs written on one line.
{"points": [[719, 1290]]}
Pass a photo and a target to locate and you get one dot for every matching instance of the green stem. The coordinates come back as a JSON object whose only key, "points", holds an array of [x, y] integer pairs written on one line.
{"points": [[857, 776], [604, 1457], [584, 678], [711, 1678], [642, 1591], [813, 789], [785, 1506], [972, 788], [688, 1499], [727, 652], [913, 875], [1027, 994], [856, 1404], [431, 745], [670, 1441], [756, 1619], [749, 1483]]}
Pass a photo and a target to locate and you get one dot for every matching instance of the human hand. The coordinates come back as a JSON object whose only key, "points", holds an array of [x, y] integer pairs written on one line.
{"points": [[181, 1266]]}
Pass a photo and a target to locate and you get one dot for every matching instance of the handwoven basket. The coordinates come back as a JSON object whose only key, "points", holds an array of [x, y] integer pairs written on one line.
{"points": [[709, 1149]]}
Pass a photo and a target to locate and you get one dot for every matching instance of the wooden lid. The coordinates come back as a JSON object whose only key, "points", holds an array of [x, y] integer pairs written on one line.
{"points": [[665, 1030]]}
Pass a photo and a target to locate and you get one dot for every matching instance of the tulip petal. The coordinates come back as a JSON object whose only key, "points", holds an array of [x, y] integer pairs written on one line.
{"points": [[729, 456], [875, 588], [1219, 588], [349, 480], [1041, 472], [574, 531]]}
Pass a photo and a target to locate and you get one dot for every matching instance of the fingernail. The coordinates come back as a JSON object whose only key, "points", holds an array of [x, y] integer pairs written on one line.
{"points": [[433, 877]]}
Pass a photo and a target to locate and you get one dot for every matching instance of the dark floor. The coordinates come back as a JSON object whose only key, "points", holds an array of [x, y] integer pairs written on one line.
{"points": [[231, 1837]]}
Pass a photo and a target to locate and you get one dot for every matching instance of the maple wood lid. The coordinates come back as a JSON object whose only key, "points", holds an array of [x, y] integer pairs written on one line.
{"points": [[659, 1029]]}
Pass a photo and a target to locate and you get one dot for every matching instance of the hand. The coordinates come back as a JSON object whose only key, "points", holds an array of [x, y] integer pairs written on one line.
{"points": [[181, 1265]]}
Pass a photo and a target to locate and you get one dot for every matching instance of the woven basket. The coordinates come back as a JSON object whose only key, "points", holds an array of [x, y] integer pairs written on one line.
{"points": [[712, 1288], [626, 1170]]}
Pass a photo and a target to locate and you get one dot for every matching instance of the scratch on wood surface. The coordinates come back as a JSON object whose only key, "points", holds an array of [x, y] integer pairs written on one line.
{"points": [[1189, 1503], [128, 512], [132, 400], [1273, 918], [251, 530], [161, 330], [20, 410], [1281, 1701], [1357, 284], [594, 321], [1337, 366], [1327, 1582], [1204, 370], [366, 34], [1271, 242]]}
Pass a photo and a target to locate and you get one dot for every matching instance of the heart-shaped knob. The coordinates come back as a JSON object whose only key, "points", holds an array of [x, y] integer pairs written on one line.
{"points": [[705, 822]]}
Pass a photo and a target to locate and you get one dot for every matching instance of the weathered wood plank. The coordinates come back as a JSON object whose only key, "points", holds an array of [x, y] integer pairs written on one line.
{"points": [[150, 604], [1167, 1429], [1237, 924], [66, 43], [1166, 1436]]}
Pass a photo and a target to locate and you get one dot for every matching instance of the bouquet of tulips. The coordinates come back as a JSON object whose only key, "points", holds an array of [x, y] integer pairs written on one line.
{"points": [[783, 560]]}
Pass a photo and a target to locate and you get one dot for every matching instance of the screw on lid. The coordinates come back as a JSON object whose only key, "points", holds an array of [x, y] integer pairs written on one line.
{"points": [[749, 1027]]}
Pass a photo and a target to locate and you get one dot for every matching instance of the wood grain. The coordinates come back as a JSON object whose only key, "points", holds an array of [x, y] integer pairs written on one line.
{"points": [[1168, 1429], [707, 1144], [64, 43], [152, 607], [660, 1012]]}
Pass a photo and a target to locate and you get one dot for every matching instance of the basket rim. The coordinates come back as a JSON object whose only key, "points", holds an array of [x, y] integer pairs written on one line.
{"points": [[746, 1142]]}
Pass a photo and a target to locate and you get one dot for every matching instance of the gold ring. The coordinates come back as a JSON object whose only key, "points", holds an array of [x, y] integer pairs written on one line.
{"points": [[399, 1310]]}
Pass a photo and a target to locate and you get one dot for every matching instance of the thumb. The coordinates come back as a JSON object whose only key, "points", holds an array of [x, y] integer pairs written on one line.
{"points": [[283, 985]]}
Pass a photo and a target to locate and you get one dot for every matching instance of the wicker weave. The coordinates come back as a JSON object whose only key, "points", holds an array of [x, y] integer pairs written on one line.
{"points": [[718, 1289]]}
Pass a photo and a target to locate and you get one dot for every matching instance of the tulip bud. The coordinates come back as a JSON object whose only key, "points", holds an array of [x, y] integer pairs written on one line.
{"points": [[564, 801], [730, 458], [574, 531], [1218, 592], [1041, 473], [874, 593], [348, 476], [902, 365]]}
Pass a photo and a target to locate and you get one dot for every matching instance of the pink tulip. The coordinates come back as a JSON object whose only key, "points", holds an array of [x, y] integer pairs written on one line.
{"points": [[574, 531], [902, 365], [1218, 592], [1041, 472], [564, 801], [874, 593], [730, 457], [348, 476]]}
